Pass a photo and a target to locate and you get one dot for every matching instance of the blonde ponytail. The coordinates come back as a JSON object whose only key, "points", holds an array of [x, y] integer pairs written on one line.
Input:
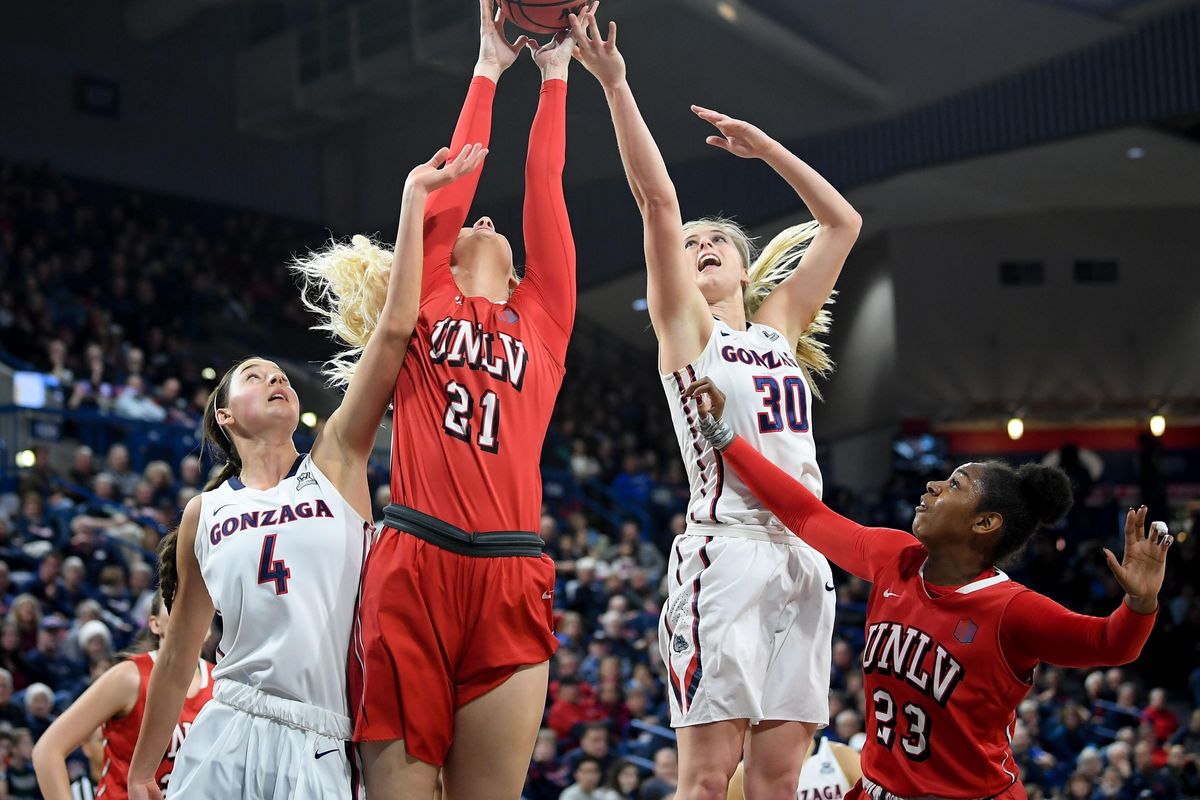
{"points": [[777, 261], [345, 285]]}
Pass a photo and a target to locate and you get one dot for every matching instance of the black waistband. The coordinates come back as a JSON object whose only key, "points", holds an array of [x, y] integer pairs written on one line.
{"points": [[486, 544]]}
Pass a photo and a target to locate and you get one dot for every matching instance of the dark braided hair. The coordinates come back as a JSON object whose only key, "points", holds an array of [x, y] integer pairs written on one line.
{"points": [[1026, 498], [168, 571]]}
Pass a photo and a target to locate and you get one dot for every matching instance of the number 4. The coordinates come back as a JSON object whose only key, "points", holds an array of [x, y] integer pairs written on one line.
{"points": [[270, 570]]}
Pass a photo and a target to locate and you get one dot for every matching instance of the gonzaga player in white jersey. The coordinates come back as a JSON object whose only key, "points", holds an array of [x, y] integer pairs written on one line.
{"points": [[276, 544], [746, 631]]}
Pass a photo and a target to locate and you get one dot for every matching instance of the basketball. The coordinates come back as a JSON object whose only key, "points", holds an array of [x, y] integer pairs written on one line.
{"points": [[541, 16]]}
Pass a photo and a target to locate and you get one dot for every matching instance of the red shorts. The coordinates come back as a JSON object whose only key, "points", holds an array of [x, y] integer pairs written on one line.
{"points": [[437, 630]]}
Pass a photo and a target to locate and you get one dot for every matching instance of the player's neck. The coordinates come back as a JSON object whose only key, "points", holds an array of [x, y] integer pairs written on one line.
{"points": [[477, 280], [958, 567], [266, 462], [731, 311]]}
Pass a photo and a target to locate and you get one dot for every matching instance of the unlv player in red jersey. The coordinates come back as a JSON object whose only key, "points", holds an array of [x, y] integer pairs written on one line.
{"points": [[115, 703], [951, 641], [455, 623]]}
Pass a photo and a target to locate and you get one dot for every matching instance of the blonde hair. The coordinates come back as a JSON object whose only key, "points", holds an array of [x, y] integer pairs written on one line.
{"points": [[767, 269], [345, 285]]}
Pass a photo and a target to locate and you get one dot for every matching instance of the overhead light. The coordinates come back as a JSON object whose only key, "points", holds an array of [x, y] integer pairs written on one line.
{"points": [[728, 11], [1135, 152], [208, 373], [26, 459], [1016, 428], [309, 419], [1158, 424], [640, 304]]}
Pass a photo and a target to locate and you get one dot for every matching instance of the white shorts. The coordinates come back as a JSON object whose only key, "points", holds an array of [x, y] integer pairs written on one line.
{"points": [[746, 631], [248, 744]]}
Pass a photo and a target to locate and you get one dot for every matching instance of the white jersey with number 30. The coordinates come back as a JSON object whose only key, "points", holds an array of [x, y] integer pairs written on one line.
{"points": [[282, 566], [768, 403]]}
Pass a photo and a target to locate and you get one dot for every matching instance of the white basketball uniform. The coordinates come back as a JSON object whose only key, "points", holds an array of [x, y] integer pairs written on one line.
{"points": [[746, 630], [822, 777], [282, 566]]}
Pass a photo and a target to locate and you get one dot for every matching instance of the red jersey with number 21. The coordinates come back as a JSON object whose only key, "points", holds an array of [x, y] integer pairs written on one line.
{"points": [[478, 385]]}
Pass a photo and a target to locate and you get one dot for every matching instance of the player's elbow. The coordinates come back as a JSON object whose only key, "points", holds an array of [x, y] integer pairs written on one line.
{"points": [[46, 753], [656, 204]]}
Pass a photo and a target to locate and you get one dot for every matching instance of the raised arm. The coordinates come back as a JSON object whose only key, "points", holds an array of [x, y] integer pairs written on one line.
{"points": [[113, 694], [344, 445], [1035, 628], [794, 303], [549, 245], [677, 308], [447, 208], [859, 550], [191, 615]]}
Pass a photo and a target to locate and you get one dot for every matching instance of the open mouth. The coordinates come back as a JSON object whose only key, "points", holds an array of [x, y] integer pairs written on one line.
{"points": [[922, 506], [277, 396], [707, 260]]}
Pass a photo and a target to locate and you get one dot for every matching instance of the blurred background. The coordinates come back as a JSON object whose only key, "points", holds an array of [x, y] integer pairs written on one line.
{"points": [[1026, 286]]}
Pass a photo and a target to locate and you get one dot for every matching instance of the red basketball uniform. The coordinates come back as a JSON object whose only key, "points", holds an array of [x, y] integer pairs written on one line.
{"points": [[944, 668], [120, 735], [471, 407]]}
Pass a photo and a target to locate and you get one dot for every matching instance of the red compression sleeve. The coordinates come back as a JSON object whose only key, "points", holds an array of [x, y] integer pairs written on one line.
{"points": [[859, 550], [1035, 628], [446, 209], [549, 246]]}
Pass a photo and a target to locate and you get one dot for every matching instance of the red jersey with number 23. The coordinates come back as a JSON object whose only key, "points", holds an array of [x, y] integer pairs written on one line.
{"points": [[478, 385]]}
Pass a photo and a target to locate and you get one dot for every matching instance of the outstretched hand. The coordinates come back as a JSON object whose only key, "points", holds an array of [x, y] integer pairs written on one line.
{"points": [[554, 57], [599, 56], [496, 52], [709, 399], [737, 136], [1140, 571], [438, 172]]}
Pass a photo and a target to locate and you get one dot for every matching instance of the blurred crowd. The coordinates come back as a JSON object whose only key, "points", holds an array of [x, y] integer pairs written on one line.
{"points": [[120, 303]]}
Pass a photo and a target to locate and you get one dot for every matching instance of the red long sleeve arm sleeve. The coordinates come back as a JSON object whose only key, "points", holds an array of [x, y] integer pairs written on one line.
{"points": [[446, 209], [549, 246], [1035, 628], [859, 550]]}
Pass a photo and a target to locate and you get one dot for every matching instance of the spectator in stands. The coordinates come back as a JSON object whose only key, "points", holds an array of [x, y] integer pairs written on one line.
{"points": [[71, 587], [119, 467], [93, 389], [624, 779], [44, 585], [1180, 775], [1127, 711], [587, 772], [1189, 736], [12, 655], [135, 402], [22, 782], [548, 776], [1162, 719], [666, 775], [46, 663], [11, 714], [83, 466], [39, 708], [190, 473], [593, 743], [26, 613], [570, 708], [630, 545], [632, 486], [95, 641], [847, 726], [32, 523]]}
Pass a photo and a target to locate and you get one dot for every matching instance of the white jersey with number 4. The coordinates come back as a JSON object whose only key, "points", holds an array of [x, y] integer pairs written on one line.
{"points": [[768, 403], [282, 566]]}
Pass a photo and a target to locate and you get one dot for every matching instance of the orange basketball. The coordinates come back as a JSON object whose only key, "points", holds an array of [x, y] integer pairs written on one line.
{"points": [[541, 16]]}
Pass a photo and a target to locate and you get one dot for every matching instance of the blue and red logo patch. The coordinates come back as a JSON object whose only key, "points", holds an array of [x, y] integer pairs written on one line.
{"points": [[965, 631]]}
